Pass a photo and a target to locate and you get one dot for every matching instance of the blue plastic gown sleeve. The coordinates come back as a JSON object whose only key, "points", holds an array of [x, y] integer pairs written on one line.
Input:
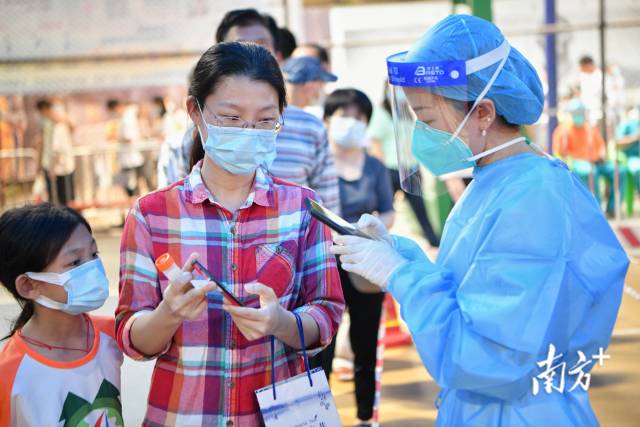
{"points": [[534, 272], [409, 249]]}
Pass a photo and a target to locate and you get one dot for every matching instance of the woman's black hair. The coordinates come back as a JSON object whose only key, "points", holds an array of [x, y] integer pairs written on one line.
{"points": [[227, 60], [31, 238], [343, 98]]}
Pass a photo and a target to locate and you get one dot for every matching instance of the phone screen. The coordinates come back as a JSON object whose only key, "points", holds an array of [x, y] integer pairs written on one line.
{"points": [[224, 290]]}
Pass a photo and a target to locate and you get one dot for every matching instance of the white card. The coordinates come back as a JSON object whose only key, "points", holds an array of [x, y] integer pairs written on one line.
{"points": [[199, 283], [298, 404]]}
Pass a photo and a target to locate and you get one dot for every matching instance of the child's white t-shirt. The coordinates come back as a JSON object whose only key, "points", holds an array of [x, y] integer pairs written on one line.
{"points": [[37, 391]]}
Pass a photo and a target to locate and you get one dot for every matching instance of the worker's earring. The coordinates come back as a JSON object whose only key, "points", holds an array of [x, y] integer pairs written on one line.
{"points": [[484, 132]]}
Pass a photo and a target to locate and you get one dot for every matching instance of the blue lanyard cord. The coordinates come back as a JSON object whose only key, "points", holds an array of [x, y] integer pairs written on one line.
{"points": [[273, 366], [304, 347], [304, 354]]}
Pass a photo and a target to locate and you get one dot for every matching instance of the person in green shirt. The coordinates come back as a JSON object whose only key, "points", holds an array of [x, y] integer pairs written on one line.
{"points": [[628, 142]]}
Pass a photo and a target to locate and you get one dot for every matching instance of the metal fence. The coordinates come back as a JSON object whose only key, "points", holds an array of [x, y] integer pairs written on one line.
{"points": [[98, 180]]}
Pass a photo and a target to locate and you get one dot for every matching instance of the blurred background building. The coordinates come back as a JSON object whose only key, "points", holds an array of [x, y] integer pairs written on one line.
{"points": [[84, 53]]}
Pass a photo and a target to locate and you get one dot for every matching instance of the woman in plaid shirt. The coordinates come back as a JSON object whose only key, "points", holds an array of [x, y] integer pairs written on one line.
{"points": [[251, 231]]}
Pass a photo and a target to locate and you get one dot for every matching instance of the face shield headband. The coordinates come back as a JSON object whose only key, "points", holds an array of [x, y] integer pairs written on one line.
{"points": [[448, 77], [447, 73]]}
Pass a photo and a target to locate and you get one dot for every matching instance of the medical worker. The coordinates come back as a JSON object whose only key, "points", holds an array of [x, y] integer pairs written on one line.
{"points": [[521, 301]]}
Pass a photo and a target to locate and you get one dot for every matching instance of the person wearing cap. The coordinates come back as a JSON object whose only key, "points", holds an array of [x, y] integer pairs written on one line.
{"points": [[306, 79], [315, 50], [522, 298]]}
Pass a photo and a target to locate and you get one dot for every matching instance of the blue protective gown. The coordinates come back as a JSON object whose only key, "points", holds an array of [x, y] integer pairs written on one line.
{"points": [[527, 259]]}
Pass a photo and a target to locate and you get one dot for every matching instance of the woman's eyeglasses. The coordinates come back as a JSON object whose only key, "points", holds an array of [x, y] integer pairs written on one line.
{"points": [[236, 122]]}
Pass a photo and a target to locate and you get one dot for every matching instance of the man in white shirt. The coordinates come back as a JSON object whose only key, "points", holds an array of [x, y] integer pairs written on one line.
{"points": [[56, 151], [590, 86], [130, 158]]}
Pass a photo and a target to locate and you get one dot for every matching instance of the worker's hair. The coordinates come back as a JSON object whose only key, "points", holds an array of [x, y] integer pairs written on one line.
{"points": [[246, 18], [228, 60], [31, 238]]}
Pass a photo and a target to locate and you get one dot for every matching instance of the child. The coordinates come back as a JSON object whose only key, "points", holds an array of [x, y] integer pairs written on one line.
{"points": [[59, 365]]}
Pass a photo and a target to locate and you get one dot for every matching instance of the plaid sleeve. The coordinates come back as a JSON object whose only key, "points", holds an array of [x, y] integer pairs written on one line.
{"points": [[321, 293], [324, 178], [139, 290]]}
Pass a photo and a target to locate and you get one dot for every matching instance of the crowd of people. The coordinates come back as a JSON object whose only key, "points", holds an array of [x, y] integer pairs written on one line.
{"points": [[581, 136], [132, 134], [229, 193], [149, 141]]}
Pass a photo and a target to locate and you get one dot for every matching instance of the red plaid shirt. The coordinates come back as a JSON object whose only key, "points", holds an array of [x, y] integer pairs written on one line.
{"points": [[209, 372]]}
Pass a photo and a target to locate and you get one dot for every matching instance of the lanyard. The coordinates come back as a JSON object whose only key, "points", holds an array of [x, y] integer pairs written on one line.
{"points": [[304, 354]]}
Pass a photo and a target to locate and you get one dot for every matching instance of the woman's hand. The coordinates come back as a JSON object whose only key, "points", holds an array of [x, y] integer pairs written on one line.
{"points": [[181, 300], [152, 332], [269, 319]]}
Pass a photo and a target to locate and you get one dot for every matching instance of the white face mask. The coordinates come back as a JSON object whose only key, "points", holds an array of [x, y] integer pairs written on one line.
{"points": [[348, 132], [239, 151], [86, 285]]}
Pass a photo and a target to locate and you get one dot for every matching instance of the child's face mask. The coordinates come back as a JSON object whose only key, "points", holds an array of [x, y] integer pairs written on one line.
{"points": [[86, 285]]}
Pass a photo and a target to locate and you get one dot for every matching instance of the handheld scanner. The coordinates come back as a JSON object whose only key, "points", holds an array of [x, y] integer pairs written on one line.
{"points": [[333, 221]]}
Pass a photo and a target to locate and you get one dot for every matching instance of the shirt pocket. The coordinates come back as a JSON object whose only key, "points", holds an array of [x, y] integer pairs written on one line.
{"points": [[275, 265]]}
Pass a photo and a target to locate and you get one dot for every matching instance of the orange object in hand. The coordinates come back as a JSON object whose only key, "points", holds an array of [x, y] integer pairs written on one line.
{"points": [[168, 266]]}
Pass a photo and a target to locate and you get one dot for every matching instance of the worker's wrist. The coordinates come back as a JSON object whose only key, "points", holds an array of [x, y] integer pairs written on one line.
{"points": [[397, 263]]}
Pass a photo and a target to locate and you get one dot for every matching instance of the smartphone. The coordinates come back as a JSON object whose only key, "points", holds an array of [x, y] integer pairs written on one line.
{"points": [[332, 220], [224, 290]]}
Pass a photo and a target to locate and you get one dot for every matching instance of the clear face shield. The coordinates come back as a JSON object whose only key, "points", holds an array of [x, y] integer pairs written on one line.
{"points": [[431, 106]]}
